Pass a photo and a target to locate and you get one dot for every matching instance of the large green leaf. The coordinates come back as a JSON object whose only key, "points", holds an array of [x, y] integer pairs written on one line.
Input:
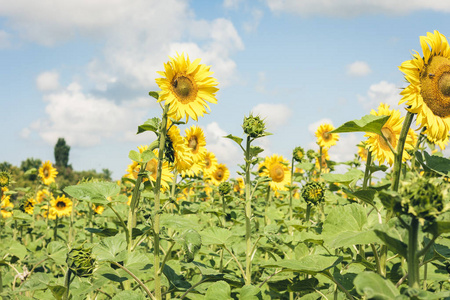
{"points": [[347, 179], [440, 226], [434, 163], [149, 125], [129, 295], [96, 192], [250, 292], [219, 290], [236, 139], [58, 252], [373, 286], [311, 264], [368, 123], [393, 243], [109, 248], [216, 236]]}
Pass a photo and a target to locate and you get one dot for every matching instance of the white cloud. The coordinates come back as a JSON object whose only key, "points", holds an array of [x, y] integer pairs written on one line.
{"points": [[381, 92], [351, 8], [253, 22], [47, 81], [275, 115], [358, 69], [85, 120], [231, 3], [226, 150]]}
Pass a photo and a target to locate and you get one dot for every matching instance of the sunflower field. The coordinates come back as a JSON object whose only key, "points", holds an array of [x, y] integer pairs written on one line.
{"points": [[177, 226]]}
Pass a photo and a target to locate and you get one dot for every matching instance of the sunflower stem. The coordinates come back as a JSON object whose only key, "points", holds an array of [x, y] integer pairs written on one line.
{"points": [[248, 215], [367, 172], [55, 229], [399, 154], [413, 259], [157, 192]]}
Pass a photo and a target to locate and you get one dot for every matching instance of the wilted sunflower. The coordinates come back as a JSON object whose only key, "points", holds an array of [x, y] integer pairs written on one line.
{"points": [[277, 168], [28, 205], [61, 206], [6, 207], [220, 175], [325, 139], [428, 93], [210, 164], [391, 130], [47, 173], [187, 87], [44, 195]]}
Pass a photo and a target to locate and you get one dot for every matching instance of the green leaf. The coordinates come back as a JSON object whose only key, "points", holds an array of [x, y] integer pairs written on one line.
{"points": [[439, 226], [192, 242], [368, 123], [347, 179], [30, 171], [215, 236], [17, 249], [58, 252], [306, 285], [255, 150], [57, 291], [434, 163], [250, 292], [109, 248], [129, 295], [154, 94], [311, 264], [149, 125], [238, 140], [219, 290], [373, 286], [134, 156], [366, 195], [393, 243], [148, 155], [103, 231], [95, 192]]}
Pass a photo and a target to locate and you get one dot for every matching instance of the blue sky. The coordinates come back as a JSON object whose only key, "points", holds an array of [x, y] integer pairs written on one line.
{"points": [[82, 70]]}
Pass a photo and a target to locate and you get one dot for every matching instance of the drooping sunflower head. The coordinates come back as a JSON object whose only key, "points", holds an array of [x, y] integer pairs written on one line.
{"points": [[5, 179], [224, 188], [210, 164], [325, 139], [362, 153], [81, 261], [62, 206], [47, 173], [277, 169], [313, 192], [220, 175], [44, 195], [428, 93], [187, 86]]}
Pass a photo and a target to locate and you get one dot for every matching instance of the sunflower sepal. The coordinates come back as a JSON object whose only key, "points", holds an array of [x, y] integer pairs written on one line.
{"points": [[154, 94]]}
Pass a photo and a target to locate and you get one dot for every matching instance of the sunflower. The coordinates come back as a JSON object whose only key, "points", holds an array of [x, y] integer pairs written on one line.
{"points": [[325, 139], [5, 178], [28, 205], [195, 139], [195, 169], [210, 164], [44, 195], [325, 157], [362, 153], [442, 144], [6, 207], [183, 155], [61, 206], [428, 92], [220, 175], [277, 168], [152, 168], [187, 87], [46, 214], [391, 130], [239, 186], [47, 173], [98, 209]]}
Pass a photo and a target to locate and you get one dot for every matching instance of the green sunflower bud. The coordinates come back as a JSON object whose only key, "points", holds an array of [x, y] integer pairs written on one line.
{"points": [[5, 178], [224, 188], [313, 192], [81, 262], [254, 126], [311, 154], [424, 197], [298, 154]]}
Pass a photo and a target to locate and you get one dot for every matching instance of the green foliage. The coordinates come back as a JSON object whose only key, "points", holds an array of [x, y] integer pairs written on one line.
{"points": [[62, 153]]}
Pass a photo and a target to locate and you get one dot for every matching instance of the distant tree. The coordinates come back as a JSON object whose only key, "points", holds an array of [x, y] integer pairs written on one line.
{"points": [[5, 166], [62, 153], [106, 174], [30, 163]]}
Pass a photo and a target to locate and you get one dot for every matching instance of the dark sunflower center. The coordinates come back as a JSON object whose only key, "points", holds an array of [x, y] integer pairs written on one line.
{"points": [[327, 136], [387, 132], [61, 205], [46, 172], [219, 174], [193, 143], [184, 88], [435, 89], [277, 173], [208, 162]]}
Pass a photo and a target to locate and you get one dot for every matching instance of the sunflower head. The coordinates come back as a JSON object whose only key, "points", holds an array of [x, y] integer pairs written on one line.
{"points": [[5, 179], [311, 154], [220, 175], [81, 262], [313, 192], [254, 126], [61, 206], [28, 206], [224, 188], [298, 154], [187, 87], [277, 169], [325, 139], [47, 173]]}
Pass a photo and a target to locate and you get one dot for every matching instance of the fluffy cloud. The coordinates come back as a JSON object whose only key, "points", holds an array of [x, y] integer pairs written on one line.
{"points": [[358, 69], [85, 120], [275, 115], [351, 8], [4, 39], [226, 150], [381, 92], [47, 81]]}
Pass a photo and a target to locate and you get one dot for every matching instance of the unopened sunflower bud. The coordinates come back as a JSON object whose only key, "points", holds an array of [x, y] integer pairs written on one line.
{"points": [[224, 188], [5, 179], [298, 154], [254, 126], [313, 192], [311, 154], [81, 262]]}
